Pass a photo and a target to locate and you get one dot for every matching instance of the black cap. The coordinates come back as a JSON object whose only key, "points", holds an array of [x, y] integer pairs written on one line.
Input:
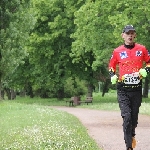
{"points": [[128, 28]]}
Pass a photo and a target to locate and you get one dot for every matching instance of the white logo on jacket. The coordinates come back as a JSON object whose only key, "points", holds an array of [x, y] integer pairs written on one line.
{"points": [[123, 55], [138, 53]]}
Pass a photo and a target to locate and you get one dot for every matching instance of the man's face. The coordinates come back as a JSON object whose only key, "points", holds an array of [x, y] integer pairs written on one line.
{"points": [[129, 37]]}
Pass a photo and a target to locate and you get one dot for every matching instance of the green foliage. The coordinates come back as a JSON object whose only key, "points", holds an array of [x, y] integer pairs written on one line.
{"points": [[75, 87], [50, 44], [92, 41], [131, 12], [93, 34], [43, 44], [15, 25]]}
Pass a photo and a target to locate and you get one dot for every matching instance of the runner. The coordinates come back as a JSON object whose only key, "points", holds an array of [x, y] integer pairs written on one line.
{"points": [[129, 57]]}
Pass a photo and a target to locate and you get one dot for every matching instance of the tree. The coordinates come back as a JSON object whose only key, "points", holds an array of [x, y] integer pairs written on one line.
{"points": [[15, 23], [50, 44], [137, 15], [92, 40]]}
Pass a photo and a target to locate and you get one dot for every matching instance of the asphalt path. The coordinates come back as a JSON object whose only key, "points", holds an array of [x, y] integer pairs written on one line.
{"points": [[105, 127]]}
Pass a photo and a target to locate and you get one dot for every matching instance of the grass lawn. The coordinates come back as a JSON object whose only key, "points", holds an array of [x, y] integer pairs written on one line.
{"points": [[37, 127], [30, 124], [109, 102]]}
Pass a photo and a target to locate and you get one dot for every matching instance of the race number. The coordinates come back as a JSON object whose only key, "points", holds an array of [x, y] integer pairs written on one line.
{"points": [[133, 78]]}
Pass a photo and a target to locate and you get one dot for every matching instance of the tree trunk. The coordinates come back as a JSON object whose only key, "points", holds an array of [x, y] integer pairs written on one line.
{"points": [[1, 58], [60, 93], [13, 94], [8, 93], [90, 90], [22, 93], [2, 94], [76, 100], [30, 90], [146, 87], [0, 88], [0, 91], [105, 87]]}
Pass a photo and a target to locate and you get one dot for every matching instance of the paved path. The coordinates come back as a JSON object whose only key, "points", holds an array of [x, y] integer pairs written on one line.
{"points": [[106, 128]]}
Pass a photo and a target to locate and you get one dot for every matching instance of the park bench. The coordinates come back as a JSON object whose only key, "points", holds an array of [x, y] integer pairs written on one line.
{"points": [[87, 100], [74, 101], [70, 101]]}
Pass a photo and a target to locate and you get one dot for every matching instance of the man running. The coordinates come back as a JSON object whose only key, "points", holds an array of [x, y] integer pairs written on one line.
{"points": [[129, 57]]}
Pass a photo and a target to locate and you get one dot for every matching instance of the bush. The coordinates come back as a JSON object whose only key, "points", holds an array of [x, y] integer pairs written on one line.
{"points": [[75, 87]]}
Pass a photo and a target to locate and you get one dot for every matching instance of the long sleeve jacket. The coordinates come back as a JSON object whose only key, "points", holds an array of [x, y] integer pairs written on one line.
{"points": [[129, 60]]}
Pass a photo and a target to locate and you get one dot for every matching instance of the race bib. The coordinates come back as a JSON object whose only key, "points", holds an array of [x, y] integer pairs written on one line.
{"points": [[133, 78]]}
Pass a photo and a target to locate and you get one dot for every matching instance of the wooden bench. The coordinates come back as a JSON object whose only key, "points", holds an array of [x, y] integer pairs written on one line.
{"points": [[74, 101], [87, 100], [71, 101]]}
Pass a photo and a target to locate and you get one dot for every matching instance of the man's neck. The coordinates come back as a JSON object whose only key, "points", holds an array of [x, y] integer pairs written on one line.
{"points": [[129, 46]]}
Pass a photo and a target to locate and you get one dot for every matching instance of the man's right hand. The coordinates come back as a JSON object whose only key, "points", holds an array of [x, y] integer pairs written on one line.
{"points": [[114, 79], [143, 72]]}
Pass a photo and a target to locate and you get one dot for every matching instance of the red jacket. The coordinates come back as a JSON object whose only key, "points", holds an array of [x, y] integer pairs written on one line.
{"points": [[129, 60]]}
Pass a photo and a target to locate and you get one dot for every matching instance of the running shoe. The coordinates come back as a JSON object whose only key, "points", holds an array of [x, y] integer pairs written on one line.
{"points": [[133, 142], [130, 148]]}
